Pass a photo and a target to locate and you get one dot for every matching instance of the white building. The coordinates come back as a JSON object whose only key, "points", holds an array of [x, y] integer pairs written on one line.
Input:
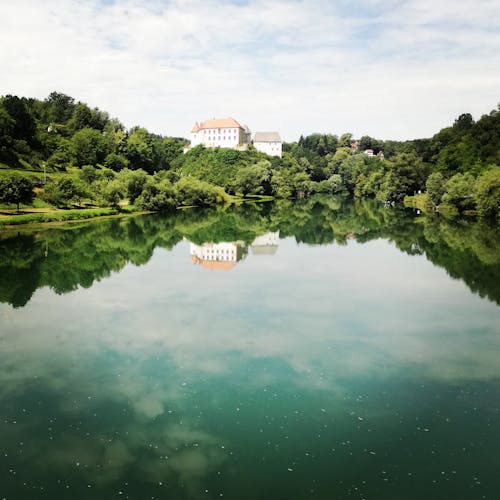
{"points": [[266, 244], [268, 142], [217, 256], [220, 133]]}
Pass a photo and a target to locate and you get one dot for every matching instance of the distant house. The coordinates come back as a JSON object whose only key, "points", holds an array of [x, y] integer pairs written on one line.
{"points": [[268, 142], [369, 152], [380, 155], [220, 133]]}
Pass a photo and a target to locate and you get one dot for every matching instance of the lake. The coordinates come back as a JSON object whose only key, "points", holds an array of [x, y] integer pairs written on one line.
{"points": [[321, 349]]}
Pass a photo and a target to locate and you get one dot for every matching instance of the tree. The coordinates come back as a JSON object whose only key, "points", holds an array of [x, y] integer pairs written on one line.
{"points": [[133, 182], [251, 179], [406, 176], [487, 193], [435, 187], [65, 190], [345, 140], [59, 107], [159, 196], [24, 126], [15, 188], [140, 150], [459, 192], [88, 147], [7, 125], [116, 162]]}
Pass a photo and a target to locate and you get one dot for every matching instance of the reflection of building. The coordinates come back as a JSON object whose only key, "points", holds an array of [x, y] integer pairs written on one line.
{"points": [[267, 244], [224, 256], [218, 256]]}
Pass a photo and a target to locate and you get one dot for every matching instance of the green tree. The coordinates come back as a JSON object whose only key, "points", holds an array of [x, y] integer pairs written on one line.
{"points": [[459, 192], [88, 147], [139, 150], [487, 193], [64, 191], [406, 176], [116, 162], [435, 187], [24, 126], [133, 182], [251, 179], [15, 188], [158, 196]]}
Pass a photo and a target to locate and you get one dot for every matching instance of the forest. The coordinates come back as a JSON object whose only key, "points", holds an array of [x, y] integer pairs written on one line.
{"points": [[59, 153]]}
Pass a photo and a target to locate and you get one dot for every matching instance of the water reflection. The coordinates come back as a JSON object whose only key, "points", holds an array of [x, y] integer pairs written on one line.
{"points": [[225, 255], [345, 366], [78, 255], [218, 256]]}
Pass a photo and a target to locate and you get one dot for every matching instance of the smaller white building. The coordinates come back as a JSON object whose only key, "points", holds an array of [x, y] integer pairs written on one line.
{"points": [[268, 142], [266, 244]]}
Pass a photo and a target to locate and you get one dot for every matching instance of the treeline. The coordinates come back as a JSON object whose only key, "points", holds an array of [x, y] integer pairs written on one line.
{"points": [[458, 168], [58, 132], [77, 255]]}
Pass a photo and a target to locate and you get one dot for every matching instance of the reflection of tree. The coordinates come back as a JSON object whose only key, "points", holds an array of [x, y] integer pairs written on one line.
{"points": [[80, 254]]}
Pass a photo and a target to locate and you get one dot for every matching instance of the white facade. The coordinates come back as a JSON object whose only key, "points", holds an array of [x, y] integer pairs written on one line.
{"points": [[220, 252], [220, 133], [218, 256], [269, 143], [266, 244]]}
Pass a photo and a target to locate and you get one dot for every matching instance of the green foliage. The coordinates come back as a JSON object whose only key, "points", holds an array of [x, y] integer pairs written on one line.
{"points": [[406, 176], [15, 188], [157, 196], [109, 193], [435, 187], [252, 179], [63, 215], [459, 192], [193, 192], [487, 193], [88, 147], [116, 162], [133, 182], [64, 191]]}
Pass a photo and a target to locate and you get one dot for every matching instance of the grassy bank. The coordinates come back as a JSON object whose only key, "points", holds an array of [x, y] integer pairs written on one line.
{"points": [[56, 216]]}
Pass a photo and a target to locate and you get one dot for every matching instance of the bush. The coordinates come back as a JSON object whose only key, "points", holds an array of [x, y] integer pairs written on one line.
{"points": [[157, 196], [487, 193], [15, 188]]}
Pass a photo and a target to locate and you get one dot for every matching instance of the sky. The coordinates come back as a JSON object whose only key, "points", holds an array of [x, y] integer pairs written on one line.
{"points": [[391, 69]]}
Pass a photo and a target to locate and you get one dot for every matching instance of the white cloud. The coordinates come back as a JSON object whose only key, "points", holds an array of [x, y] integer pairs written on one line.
{"points": [[389, 69]]}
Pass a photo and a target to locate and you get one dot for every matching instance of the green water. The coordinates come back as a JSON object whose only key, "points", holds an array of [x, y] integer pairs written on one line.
{"points": [[283, 351]]}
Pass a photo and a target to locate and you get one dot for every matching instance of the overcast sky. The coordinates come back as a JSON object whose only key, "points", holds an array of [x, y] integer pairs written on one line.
{"points": [[393, 69]]}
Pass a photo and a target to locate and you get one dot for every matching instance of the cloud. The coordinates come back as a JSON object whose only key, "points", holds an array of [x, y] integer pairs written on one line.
{"points": [[390, 69]]}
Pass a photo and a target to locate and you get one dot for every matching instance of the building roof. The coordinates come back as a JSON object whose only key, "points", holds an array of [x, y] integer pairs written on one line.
{"points": [[216, 123], [214, 265], [264, 249], [267, 137]]}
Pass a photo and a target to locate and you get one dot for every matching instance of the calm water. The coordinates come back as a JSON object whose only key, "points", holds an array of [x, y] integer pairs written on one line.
{"points": [[316, 350]]}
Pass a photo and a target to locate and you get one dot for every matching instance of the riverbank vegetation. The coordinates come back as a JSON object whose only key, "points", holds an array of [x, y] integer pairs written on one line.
{"points": [[62, 154]]}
